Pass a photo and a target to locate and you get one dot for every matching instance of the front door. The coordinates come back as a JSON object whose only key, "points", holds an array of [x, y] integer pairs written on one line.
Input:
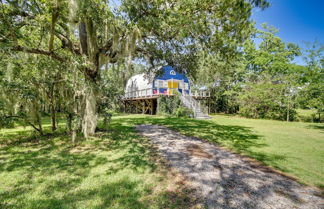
{"points": [[173, 86]]}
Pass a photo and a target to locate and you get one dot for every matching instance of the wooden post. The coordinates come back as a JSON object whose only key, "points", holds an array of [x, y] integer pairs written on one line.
{"points": [[157, 105], [149, 106], [143, 112]]}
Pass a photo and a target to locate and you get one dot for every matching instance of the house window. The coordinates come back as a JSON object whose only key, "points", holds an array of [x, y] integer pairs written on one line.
{"points": [[172, 72], [186, 86], [160, 84], [164, 84]]}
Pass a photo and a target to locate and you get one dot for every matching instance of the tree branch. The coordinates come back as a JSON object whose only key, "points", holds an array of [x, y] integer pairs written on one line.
{"points": [[106, 47], [148, 56], [38, 51], [17, 13], [27, 121], [67, 43]]}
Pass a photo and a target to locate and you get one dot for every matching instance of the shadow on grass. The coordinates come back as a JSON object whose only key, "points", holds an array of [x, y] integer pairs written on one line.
{"points": [[53, 173], [225, 180], [57, 174], [122, 193], [135, 149], [238, 138], [319, 127]]}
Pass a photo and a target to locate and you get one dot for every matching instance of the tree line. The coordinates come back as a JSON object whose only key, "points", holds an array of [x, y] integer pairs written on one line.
{"points": [[264, 82]]}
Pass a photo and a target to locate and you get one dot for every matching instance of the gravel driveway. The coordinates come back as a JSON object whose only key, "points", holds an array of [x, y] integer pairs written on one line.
{"points": [[226, 180]]}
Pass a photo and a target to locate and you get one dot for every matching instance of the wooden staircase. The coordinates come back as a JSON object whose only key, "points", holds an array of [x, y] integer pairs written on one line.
{"points": [[200, 112]]}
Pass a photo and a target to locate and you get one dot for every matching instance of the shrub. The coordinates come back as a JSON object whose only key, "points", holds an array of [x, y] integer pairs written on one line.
{"points": [[265, 100], [309, 115], [184, 112], [168, 105]]}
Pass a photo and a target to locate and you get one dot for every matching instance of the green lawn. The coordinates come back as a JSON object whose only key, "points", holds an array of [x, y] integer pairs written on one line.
{"points": [[116, 169], [119, 169], [295, 148]]}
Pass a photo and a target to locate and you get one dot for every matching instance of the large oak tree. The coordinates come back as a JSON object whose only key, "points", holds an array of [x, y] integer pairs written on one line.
{"points": [[91, 33]]}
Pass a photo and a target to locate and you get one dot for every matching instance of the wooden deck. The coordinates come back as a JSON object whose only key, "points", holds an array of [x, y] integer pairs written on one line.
{"points": [[145, 101], [149, 94]]}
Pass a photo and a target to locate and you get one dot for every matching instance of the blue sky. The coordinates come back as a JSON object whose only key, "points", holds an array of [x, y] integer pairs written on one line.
{"points": [[297, 20]]}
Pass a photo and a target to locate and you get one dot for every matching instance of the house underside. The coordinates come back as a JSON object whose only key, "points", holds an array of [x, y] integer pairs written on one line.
{"points": [[141, 105], [148, 104]]}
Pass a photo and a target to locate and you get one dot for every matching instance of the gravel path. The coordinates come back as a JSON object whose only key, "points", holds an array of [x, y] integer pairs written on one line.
{"points": [[226, 180]]}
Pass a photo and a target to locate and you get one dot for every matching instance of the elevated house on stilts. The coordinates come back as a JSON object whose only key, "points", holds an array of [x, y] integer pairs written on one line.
{"points": [[142, 91]]}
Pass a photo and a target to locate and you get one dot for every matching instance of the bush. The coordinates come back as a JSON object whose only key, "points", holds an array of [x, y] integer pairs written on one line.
{"points": [[173, 106], [309, 115], [106, 114], [265, 101], [184, 112], [168, 105], [7, 122]]}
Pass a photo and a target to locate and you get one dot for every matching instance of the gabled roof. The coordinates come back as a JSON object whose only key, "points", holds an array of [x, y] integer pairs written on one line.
{"points": [[169, 73]]}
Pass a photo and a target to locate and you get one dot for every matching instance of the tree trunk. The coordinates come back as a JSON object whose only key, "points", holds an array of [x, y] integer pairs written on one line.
{"points": [[89, 119], [75, 122], [39, 123], [74, 133], [69, 119], [319, 117], [37, 118], [52, 106], [89, 47], [53, 117], [288, 109], [288, 113]]}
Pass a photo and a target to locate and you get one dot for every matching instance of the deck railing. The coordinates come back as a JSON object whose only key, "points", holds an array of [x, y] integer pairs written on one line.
{"points": [[139, 93], [150, 92], [189, 101], [199, 93]]}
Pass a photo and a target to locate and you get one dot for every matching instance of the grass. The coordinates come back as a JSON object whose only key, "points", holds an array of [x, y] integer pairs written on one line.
{"points": [[120, 169], [295, 148], [115, 169]]}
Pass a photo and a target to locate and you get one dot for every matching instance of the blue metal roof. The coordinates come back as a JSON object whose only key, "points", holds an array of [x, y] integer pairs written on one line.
{"points": [[169, 73]]}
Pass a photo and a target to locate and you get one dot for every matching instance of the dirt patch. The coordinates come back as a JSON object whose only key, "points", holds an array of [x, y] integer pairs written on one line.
{"points": [[197, 151]]}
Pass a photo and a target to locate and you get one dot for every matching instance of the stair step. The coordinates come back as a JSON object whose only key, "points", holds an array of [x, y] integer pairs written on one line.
{"points": [[203, 118], [192, 104]]}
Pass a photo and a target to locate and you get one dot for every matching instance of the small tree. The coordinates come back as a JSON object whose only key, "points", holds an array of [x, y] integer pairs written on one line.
{"points": [[270, 85], [312, 90]]}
